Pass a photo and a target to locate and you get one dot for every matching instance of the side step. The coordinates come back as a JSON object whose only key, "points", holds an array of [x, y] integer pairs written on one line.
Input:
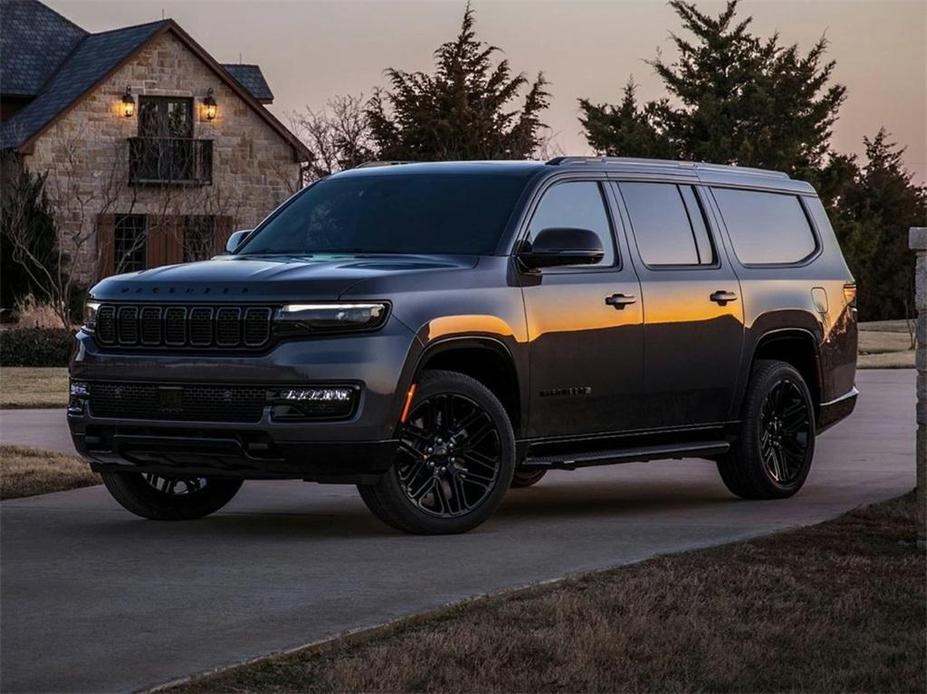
{"points": [[638, 454]]}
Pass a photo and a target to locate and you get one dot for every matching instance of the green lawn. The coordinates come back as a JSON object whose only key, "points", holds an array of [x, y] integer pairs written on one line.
{"points": [[834, 607]]}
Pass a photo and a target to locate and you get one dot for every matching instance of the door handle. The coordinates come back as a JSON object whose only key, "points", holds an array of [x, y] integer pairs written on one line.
{"points": [[619, 301], [722, 297]]}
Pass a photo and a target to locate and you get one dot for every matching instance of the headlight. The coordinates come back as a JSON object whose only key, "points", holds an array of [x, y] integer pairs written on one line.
{"points": [[332, 317], [90, 315]]}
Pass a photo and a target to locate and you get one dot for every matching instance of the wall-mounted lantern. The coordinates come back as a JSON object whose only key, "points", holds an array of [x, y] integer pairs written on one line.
{"points": [[210, 107], [128, 103]]}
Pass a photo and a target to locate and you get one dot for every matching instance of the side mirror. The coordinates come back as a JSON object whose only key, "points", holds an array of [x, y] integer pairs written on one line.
{"points": [[556, 246], [235, 240]]}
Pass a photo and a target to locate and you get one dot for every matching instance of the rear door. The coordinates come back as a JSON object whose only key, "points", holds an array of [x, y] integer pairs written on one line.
{"points": [[693, 315], [584, 323]]}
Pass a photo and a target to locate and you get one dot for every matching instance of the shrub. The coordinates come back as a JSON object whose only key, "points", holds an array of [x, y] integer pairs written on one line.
{"points": [[36, 347]]}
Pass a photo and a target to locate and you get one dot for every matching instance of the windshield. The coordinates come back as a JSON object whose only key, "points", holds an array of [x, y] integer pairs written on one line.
{"points": [[394, 213]]}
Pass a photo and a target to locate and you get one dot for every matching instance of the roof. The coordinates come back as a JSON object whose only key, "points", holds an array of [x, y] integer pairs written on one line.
{"points": [[89, 60], [680, 171], [252, 79], [35, 40], [94, 57], [522, 167]]}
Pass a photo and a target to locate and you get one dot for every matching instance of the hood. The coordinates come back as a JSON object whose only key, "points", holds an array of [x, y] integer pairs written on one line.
{"points": [[275, 278]]}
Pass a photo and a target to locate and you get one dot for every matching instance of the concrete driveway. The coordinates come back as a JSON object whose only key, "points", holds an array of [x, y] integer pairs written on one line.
{"points": [[94, 599]]}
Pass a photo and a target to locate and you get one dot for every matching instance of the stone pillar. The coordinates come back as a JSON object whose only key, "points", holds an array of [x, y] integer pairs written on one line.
{"points": [[917, 240]]}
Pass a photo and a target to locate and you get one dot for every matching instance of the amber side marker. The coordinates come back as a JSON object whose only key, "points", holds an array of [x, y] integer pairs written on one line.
{"points": [[408, 406]]}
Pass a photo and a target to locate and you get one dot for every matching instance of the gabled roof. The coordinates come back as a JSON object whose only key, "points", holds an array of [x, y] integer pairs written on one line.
{"points": [[35, 40], [91, 60], [252, 79], [95, 57]]}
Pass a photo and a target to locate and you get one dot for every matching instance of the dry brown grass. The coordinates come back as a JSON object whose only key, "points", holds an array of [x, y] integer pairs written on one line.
{"points": [[835, 607], [23, 387], [27, 471]]}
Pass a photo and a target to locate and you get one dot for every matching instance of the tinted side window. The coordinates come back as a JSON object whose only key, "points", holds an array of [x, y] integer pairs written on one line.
{"points": [[576, 204], [765, 227], [668, 224]]}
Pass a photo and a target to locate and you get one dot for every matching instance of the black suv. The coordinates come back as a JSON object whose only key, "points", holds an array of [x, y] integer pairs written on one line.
{"points": [[438, 333]]}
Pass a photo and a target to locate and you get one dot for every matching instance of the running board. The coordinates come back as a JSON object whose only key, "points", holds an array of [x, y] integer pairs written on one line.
{"points": [[639, 454]]}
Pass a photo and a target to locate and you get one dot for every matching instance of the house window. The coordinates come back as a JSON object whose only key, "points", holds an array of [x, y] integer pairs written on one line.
{"points": [[130, 243], [165, 116], [199, 236], [165, 150]]}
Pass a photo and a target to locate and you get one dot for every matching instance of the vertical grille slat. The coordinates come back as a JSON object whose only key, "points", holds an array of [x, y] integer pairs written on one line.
{"points": [[201, 326], [150, 320], [228, 326], [175, 326], [256, 326], [127, 325], [171, 326], [106, 324]]}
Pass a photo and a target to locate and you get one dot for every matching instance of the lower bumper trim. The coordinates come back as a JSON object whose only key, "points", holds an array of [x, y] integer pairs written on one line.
{"points": [[253, 455], [837, 409]]}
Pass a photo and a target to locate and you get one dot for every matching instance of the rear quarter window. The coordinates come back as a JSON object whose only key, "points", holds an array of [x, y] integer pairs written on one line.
{"points": [[766, 228]]}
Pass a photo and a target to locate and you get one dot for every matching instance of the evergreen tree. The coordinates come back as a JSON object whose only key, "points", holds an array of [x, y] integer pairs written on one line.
{"points": [[736, 98], [877, 211], [462, 111]]}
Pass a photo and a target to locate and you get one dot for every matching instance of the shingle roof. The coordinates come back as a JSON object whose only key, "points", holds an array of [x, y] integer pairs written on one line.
{"points": [[251, 78], [34, 41], [93, 58]]}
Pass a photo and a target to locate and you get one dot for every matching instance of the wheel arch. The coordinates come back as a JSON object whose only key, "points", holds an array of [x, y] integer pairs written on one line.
{"points": [[484, 358], [798, 347]]}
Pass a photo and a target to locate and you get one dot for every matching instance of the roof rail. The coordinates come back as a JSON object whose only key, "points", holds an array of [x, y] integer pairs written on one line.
{"points": [[667, 163], [374, 164]]}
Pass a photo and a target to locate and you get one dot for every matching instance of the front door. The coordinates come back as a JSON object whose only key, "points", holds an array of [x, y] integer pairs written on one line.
{"points": [[693, 313], [586, 354]]}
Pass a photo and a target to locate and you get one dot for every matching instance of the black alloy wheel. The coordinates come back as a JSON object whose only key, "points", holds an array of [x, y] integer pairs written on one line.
{"points": [[454, 461], [449, 455], [787, 431], [772, 455], [161, 497]]}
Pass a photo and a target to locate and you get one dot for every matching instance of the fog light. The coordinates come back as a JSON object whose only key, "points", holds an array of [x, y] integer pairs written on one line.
{"points": [[316, 394], [79, 394], [334, 402]]}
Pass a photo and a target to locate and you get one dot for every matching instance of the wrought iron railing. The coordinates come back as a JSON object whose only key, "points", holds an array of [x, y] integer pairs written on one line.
{"points": [[170, 160]]}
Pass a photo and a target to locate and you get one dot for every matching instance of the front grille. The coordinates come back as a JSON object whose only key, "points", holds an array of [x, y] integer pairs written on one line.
{"points": [[172, 326], [195, 403]]}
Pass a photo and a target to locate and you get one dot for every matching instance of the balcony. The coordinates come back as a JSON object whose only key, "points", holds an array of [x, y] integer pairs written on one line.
{"points": [[170, 160]]}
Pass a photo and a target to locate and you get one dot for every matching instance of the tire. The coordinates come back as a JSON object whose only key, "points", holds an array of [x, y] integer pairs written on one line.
{"points": [[772, 455], [441, 482], [170, 498], [527, 478]]}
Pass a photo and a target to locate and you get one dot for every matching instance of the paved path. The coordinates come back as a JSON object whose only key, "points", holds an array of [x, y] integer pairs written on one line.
{"points": [[95, 599], [37, 428]]}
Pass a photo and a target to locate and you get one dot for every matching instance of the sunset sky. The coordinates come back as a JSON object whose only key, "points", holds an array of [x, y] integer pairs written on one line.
{"points": [[310, 50]]}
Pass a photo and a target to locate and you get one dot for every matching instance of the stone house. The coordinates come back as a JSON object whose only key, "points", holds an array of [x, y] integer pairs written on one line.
{"points": [[154, 151]]}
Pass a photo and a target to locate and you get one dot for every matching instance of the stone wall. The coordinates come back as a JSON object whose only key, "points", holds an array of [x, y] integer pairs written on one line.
{"points": [[86, 153]]}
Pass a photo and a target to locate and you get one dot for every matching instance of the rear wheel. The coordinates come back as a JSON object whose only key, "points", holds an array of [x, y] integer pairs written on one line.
{"points": [[772, 455], [527, 478], [455, 459], [170, 498]]}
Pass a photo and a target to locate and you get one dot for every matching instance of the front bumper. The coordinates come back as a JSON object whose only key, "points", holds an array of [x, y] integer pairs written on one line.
{"points": [[353, 450]]}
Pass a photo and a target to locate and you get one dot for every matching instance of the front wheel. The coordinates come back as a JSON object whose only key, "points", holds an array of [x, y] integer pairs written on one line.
{"points": [[454, 463], [772, 455], [170, 498]]}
